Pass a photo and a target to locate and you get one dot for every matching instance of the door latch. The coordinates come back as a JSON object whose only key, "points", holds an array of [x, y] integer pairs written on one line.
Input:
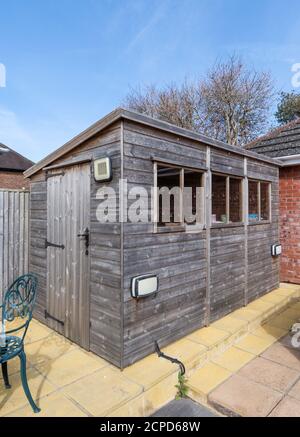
{"points": [[86, 235]]}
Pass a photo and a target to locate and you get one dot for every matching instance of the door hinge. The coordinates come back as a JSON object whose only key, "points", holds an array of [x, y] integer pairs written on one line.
{"points": [[48, 316], [47, 244]]}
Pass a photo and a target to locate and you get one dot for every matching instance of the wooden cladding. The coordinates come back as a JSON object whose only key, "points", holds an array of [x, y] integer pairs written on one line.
{"points": [[203, 274]]}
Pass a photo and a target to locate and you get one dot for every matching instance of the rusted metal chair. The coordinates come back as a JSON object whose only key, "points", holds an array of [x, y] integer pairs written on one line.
{"points": [[18, 304]]}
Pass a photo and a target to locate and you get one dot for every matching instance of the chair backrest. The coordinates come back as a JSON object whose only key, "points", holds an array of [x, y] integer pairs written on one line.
{"points": [[19, 299]]}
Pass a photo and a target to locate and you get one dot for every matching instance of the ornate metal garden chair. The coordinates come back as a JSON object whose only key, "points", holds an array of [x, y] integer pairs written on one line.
{"points": [[17, 307]]}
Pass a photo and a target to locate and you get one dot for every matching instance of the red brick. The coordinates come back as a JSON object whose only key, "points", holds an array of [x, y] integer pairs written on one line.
{"points": [[13, 180]]}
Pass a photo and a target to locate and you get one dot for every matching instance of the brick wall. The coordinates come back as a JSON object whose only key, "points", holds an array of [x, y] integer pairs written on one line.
{"points": [[289, 190], [13, 180]]}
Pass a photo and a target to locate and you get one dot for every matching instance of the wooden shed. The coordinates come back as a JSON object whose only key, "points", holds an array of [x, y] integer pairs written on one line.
{"points": [[86, 268]]}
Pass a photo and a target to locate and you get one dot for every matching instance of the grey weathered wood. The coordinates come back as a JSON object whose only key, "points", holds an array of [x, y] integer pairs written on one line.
{"points": [[14, 236], [202, 276]]}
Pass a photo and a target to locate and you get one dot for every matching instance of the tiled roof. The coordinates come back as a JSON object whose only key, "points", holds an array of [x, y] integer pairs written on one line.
{"points": [[11, 160], [282, 141]]}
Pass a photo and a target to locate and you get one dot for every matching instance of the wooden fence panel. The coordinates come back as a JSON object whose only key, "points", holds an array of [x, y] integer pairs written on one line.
{"points": [[14, 236]]}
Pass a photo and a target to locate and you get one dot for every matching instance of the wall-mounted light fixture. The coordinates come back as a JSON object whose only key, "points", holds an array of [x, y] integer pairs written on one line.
{"points": [[276, 250], [102, 169], [144, 285]]}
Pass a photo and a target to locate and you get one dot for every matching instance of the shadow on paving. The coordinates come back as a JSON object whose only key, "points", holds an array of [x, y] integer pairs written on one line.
{"points": [[184, 408]]}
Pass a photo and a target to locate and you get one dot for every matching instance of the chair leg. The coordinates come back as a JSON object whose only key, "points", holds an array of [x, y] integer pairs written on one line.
{"points": [[5, 375], [22, 357]]}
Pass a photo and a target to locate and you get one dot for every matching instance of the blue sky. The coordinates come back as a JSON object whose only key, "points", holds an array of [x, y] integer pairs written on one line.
{"points": [[69, 62]]}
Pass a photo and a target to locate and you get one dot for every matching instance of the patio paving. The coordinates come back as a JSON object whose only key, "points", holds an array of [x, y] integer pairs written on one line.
{"points": [[269, 385], [242, 356]]}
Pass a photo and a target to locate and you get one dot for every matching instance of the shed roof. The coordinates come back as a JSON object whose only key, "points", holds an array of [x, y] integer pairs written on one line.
{"points": [[125, 114], [12, 161], [282, 141]]}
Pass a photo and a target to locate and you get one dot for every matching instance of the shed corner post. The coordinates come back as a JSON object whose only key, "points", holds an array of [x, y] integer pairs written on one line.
{"points": [[123, 205], [208, 200], [246, 222]]}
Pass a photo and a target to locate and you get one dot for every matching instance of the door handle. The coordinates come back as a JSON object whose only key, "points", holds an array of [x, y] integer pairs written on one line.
{"points": [[86, 235]]}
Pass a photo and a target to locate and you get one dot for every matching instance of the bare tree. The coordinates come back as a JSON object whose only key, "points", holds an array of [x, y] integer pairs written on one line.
{"points": [[235, 102], [231, 103], [172, 103]]}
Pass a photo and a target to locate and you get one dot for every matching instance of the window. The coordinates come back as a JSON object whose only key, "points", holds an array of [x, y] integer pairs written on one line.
{"points": [[180, 197], [226, 199], [235, 200], [253, 201], [170, 196], [265, 201], [259, 201], [219, 199], [193, 200]]}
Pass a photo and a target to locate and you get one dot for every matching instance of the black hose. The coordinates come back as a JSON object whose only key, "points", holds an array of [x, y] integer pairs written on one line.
{"points": [[173, 360]]}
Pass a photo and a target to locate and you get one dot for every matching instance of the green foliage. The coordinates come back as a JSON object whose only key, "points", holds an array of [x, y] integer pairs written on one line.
{"points": [[288, 107], [182, 388]]}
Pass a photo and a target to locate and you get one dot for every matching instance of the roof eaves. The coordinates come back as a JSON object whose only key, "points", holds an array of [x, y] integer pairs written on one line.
{"points": [[120, 113]]}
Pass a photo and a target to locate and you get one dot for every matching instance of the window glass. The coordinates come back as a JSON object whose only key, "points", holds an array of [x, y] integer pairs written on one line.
{"points": [[168, 184], [235, 200], [193, 197], [218, 199], [253, 201], [264, 200]]}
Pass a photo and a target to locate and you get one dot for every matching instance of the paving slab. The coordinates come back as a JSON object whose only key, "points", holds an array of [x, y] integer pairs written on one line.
{"points": [[15, 398], [238, 396], [270, 332], [281, 321], [69, 367], [191, 353], [247, 314], [78, 382], [254, 345], [291, 313], [231, 324], [277, 299], [49, 348], [270, 374], [233, 359], [150, 371], [295, 390], [261, 306], [184, 408], [287, 341], [53, 405], [103, 391], [205, 379], [209, 336], [283, 355], [296, 305], [288, 407]]}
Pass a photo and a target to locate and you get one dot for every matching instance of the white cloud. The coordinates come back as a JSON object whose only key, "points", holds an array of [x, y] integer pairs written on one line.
{"points": [[11, 130], [158, 14]]}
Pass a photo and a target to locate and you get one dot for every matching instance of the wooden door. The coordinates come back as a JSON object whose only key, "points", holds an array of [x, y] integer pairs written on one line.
{"points": [[68, 211]]}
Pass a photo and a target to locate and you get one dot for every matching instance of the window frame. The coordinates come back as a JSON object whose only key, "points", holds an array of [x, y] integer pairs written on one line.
{"points": [[182, 226], [227, 200], [269, 195]]}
